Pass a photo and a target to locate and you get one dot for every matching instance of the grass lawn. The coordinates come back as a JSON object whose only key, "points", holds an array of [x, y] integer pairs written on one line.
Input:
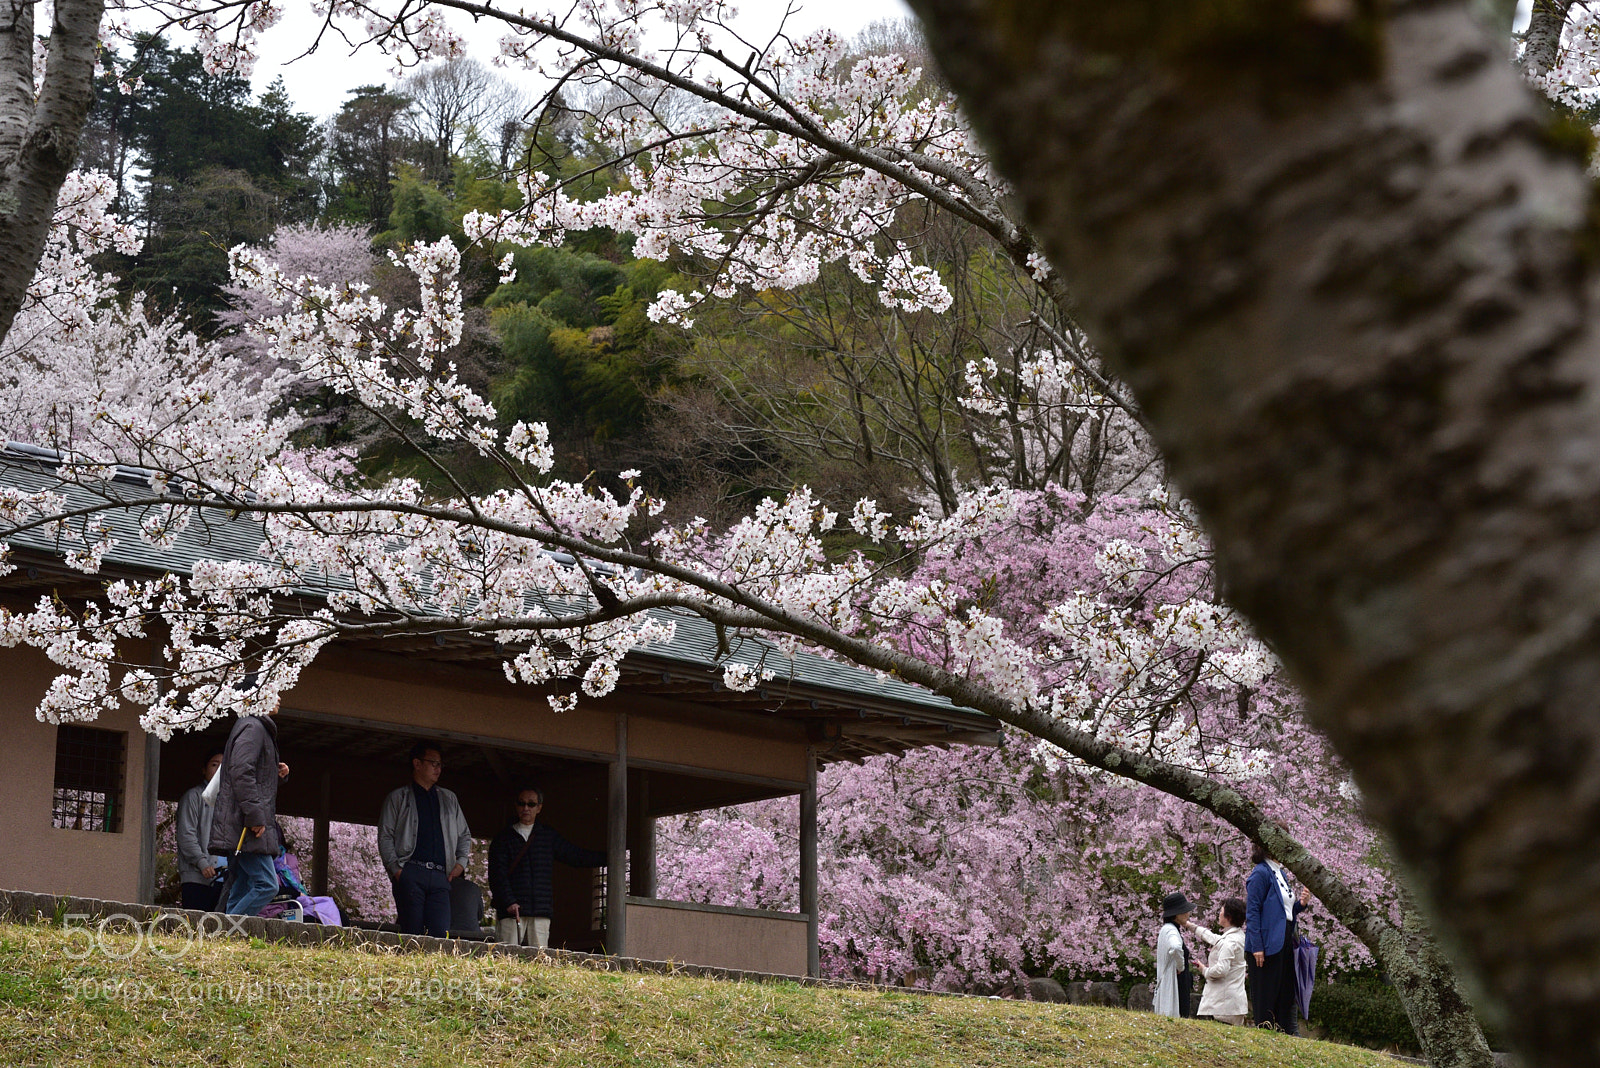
{"points": [[236, 1002]]}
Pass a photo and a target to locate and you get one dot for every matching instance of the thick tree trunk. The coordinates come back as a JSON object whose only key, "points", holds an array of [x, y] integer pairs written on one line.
{"points": [[1347, 268], [39, 134], [1541, 45], [1436, 1005]]}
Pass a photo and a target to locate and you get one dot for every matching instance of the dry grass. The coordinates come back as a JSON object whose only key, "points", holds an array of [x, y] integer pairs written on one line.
{"points": [[170, 1002]]}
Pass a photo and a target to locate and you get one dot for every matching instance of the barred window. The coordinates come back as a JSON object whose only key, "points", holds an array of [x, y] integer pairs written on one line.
{"points": [[89, 772], [598, 899]]}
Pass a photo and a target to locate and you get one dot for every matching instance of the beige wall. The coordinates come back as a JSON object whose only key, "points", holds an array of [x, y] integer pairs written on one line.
{"points": [[445, 698], [425, 697], [37, 856], [772, 943], [677, 742]]}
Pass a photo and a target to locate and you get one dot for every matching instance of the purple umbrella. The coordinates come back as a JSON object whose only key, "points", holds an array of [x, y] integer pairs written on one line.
{"points": [[1305, 974]]}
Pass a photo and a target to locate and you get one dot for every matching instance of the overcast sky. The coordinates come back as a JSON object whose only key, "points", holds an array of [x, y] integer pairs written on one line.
{"points": [[318, 83]]}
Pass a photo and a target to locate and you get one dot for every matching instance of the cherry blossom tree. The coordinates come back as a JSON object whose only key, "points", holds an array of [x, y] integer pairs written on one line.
{"points": [[1389, 316], [972, 869], [74, 338], [338, 252], [1111, 679], [983, 862]]}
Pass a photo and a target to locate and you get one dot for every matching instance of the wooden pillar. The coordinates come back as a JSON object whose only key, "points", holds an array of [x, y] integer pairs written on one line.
{"points": [[808, 862], [617, 846], [147, 819], [320, 834], [642, 836], [147, 808]]}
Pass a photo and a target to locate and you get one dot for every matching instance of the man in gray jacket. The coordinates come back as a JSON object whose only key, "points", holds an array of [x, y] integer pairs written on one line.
{"points": [[424, 843], [198, 867]]}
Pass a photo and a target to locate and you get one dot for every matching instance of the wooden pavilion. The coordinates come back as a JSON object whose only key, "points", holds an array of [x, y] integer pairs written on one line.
{"points": [[80, 808]]}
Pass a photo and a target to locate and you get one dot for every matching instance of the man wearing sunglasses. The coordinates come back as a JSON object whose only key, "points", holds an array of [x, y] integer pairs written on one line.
{"points": [[521, 877]]}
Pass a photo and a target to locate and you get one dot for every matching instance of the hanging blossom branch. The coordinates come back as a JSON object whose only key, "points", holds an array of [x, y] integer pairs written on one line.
{"points": [[421, 562]]}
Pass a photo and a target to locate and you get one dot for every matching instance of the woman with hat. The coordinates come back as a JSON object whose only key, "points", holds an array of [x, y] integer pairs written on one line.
{"points": [[1174, 981]]}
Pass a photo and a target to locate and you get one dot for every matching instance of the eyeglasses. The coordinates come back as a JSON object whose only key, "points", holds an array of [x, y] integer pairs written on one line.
{"points": [[529, 804], [432, 763]]}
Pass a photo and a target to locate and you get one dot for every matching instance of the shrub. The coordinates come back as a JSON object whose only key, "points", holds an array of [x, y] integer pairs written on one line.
{"points": [[1363, 1011]]}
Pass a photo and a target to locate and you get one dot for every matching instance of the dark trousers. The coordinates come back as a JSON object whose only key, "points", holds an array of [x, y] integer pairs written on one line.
{"points": [[422, 901], [1273, 987], [1186, 994], [201, 897]]}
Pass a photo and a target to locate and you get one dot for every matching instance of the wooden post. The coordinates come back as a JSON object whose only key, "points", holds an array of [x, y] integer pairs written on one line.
{"points": [[147, 825], [642, 863], [808, 862], [320, 834], [617, 846]]}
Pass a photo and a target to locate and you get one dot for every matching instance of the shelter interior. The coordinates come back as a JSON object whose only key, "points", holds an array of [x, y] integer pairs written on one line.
{"points": [[342, 771]]}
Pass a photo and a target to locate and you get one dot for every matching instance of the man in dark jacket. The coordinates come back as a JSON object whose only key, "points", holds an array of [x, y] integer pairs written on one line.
{"points": [[521, 872], [244, 824]]}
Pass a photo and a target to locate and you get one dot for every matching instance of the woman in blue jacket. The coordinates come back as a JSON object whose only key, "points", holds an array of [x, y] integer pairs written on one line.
{"points": [[1270, 910]]}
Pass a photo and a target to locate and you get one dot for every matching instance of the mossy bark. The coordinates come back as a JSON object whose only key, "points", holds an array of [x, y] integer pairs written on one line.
{"points": [[1542, 42], [1438, 1008]]}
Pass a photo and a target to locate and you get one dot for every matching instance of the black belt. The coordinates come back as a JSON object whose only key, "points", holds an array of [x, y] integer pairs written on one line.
{"points": [[430, 865]]}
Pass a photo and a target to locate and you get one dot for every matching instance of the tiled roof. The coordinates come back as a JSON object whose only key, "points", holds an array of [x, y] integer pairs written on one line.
{"points": [[211, 535]]}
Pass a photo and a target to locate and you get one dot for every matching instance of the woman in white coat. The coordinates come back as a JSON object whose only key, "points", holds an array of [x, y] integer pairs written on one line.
{"points": [[1174, 981], [1224, 998]]}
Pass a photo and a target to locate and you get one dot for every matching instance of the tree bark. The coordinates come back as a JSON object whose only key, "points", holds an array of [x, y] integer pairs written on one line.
{"points": [[1541, 45], [39, 134], [1347, 267], [1437, 1007]]}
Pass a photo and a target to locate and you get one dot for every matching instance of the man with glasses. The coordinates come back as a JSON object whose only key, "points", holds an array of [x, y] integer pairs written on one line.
{"points": [[521, 876], [425, 844]]}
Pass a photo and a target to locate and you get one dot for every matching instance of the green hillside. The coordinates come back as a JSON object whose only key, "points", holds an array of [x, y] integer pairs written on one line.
{"points": [[249, 1003]]}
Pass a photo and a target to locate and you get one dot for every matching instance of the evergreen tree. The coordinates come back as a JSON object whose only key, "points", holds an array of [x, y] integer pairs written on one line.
{"points": [[367, 142], [219, 168]]}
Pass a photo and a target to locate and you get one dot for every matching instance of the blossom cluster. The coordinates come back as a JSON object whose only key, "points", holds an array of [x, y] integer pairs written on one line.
{"points": [[780, 171]]}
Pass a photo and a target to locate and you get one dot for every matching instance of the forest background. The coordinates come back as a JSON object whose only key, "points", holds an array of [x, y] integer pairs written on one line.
{"points": [[964, 869]]}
